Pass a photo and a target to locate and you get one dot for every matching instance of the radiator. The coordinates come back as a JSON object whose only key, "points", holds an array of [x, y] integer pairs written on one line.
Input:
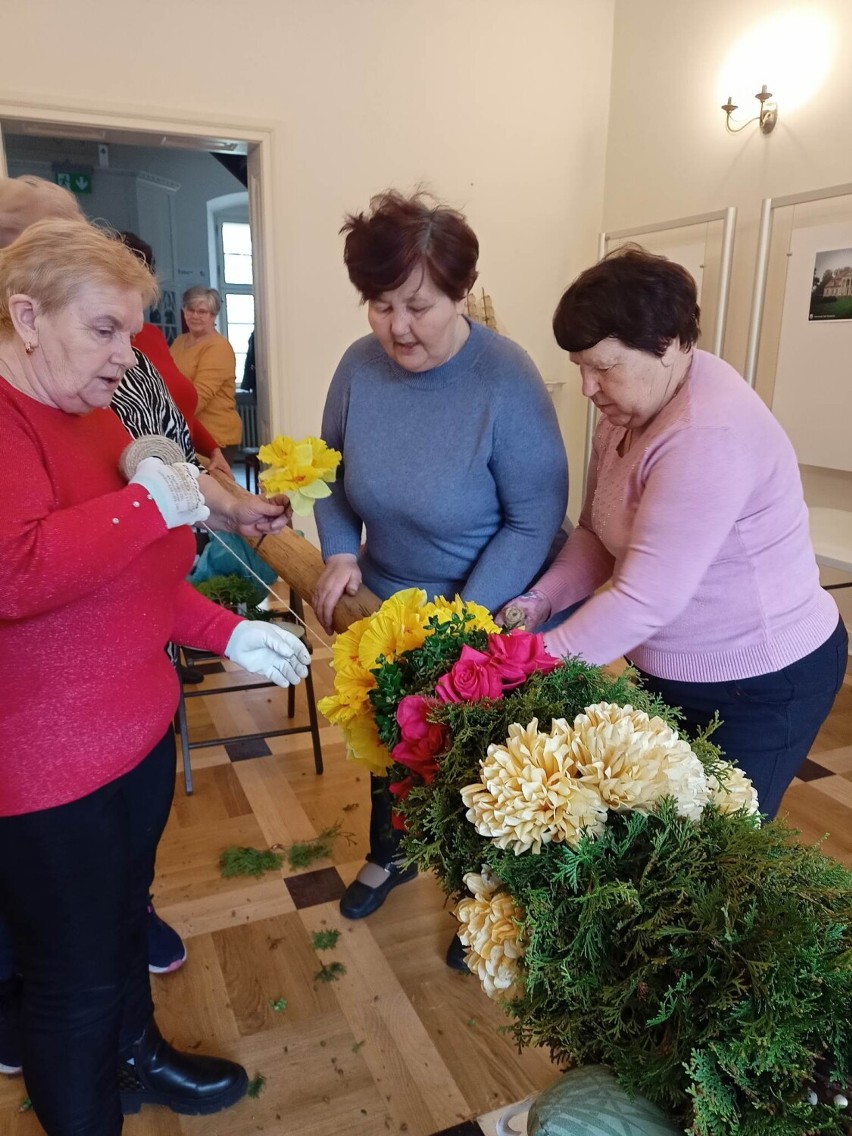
{"points": [[247, 410]]}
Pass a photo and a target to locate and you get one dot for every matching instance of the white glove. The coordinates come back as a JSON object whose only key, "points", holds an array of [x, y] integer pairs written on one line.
{"points": [[174, 490], [266, 650]]}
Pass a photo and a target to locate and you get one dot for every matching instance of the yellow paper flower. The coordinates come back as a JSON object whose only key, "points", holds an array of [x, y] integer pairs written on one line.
{"points": [[351, 696], [352, 680], [445, 609], [733, 793], [530, 794], [489, 930], [363, 745], [632, 760], [399, 625], [300, 469]]}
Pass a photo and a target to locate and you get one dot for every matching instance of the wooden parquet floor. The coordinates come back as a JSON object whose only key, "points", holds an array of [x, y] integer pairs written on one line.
{"points": [[398, 1043]]}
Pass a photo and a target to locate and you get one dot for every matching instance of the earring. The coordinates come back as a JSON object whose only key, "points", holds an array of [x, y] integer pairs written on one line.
{"points": [[29, 347]]}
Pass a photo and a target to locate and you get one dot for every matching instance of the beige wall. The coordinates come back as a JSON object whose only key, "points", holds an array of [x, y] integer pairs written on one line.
{"points": [[499, 106], [668, 154]]}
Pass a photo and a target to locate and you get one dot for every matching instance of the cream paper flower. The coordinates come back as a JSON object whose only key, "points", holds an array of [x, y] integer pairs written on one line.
{"points": [[734, 793], [633, 760], [489, 930], [529, 792]]}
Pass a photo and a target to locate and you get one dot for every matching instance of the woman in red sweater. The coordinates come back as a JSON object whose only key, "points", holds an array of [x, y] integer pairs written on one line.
{"points": [[93, 586], [152, 343]]}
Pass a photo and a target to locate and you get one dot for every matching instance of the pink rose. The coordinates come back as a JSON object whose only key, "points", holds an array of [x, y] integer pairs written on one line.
{"points": [[412, 714], [474, 676], [518, 655]]}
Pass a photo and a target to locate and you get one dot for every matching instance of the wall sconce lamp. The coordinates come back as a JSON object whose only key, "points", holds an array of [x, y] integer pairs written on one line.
{"points": [[766, 119]]}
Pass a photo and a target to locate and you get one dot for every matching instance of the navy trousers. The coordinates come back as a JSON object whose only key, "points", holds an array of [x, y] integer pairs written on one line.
{"points": [[74, 884], [769, 722]]}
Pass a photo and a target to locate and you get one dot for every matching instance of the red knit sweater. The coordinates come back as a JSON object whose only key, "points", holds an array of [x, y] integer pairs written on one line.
{"points": [[152, 343], [91, 589]]}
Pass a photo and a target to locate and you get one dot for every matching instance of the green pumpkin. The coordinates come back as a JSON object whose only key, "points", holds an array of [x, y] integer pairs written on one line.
{"points": [[590, 1102]]}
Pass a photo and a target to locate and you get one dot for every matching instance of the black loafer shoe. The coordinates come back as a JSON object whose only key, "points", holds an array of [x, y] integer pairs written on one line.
{"points": [[360, 900], [455, 956], [188, 1084]]}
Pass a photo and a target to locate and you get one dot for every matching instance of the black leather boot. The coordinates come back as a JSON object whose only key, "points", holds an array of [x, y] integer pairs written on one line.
{"points": [[187, 1084]]}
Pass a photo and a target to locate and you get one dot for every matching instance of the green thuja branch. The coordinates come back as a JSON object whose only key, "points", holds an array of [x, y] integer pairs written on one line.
{"points": [[238, 861]]}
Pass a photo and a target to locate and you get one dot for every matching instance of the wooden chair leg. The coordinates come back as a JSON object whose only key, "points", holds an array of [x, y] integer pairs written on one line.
{"points": [[297, 606]]}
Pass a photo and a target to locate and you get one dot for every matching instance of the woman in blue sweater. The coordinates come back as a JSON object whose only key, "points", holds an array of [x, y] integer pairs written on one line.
{"points": [[453, 462]]}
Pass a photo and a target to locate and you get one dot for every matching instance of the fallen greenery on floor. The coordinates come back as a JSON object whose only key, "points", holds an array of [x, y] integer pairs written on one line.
{"points": [[278, 1004], [256, 1086], [330, 972], [237, 861], [305, 852], [324, 940], [240, 861]]}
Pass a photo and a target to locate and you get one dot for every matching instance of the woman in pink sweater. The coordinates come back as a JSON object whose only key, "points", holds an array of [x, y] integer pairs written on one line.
{"points": [[93, 587], [695, 517]]}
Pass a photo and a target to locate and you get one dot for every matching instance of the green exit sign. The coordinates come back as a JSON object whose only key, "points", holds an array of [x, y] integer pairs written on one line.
{"points": [[77, 183]]}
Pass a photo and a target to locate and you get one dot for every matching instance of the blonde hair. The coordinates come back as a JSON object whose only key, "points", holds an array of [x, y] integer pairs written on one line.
{"points": [[25, 200], [51, 260]]}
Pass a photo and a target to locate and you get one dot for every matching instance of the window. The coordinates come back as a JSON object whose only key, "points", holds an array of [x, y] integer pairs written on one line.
{"points": [[237, 299]]}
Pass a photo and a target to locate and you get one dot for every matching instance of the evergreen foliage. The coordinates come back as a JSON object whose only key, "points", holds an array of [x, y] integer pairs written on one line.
{"points": [[240, 861], [325, 940], [708, 963], [305, 852], [236, 593], [330, 972]]}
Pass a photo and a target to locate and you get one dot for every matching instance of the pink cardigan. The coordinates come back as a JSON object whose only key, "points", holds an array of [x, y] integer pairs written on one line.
{"points": [[703, 531]]}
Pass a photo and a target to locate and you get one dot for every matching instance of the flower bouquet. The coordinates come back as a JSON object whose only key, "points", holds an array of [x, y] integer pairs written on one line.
{"points": [[301, 469], [613, 882]]}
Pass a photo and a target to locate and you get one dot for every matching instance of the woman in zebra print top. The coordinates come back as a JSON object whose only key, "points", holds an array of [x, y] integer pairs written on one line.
{"points": [[144, 406]]}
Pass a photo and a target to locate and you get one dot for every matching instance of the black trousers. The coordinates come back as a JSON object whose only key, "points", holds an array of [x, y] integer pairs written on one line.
{"points": [[384, 838], [74, 883], [769, 722]]}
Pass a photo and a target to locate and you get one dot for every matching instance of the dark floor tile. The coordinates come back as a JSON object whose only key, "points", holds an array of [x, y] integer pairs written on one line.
{"points": [[468, 1128], [811, 771], [311, 888], [247, 748]]}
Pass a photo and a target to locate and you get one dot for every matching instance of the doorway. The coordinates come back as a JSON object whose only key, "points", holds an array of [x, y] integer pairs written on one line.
{"points": [[156, 178]]}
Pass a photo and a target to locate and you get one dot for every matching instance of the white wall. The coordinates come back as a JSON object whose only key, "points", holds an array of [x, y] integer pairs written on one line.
{"points": [[500, 106], [668, 154]]}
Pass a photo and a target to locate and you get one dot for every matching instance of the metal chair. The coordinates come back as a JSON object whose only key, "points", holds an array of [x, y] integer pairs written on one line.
{"points": [[312, 728]]}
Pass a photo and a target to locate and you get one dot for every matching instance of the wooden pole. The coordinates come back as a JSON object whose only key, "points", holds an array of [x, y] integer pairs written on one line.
{"points": [[300, 565]]}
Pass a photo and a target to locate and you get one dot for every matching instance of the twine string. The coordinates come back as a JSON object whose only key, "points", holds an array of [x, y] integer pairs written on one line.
{"points": [[266, 587]]}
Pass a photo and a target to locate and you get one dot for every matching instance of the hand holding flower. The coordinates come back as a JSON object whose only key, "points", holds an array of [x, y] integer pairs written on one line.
{"points": [[528, 611]]}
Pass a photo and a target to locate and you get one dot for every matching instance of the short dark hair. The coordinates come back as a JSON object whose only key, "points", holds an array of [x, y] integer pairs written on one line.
{"points": [[142, 249], [383, 247], [632, 295]]}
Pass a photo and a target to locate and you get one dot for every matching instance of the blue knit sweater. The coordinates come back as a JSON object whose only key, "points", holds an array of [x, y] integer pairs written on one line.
{"points": [[457, 474]]}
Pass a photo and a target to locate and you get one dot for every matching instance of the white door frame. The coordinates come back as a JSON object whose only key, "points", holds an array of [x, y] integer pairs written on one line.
{"points": [[258, 136]]}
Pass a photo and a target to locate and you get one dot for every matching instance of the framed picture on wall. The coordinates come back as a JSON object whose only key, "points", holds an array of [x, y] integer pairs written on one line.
{"points": [[831, 287]]}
